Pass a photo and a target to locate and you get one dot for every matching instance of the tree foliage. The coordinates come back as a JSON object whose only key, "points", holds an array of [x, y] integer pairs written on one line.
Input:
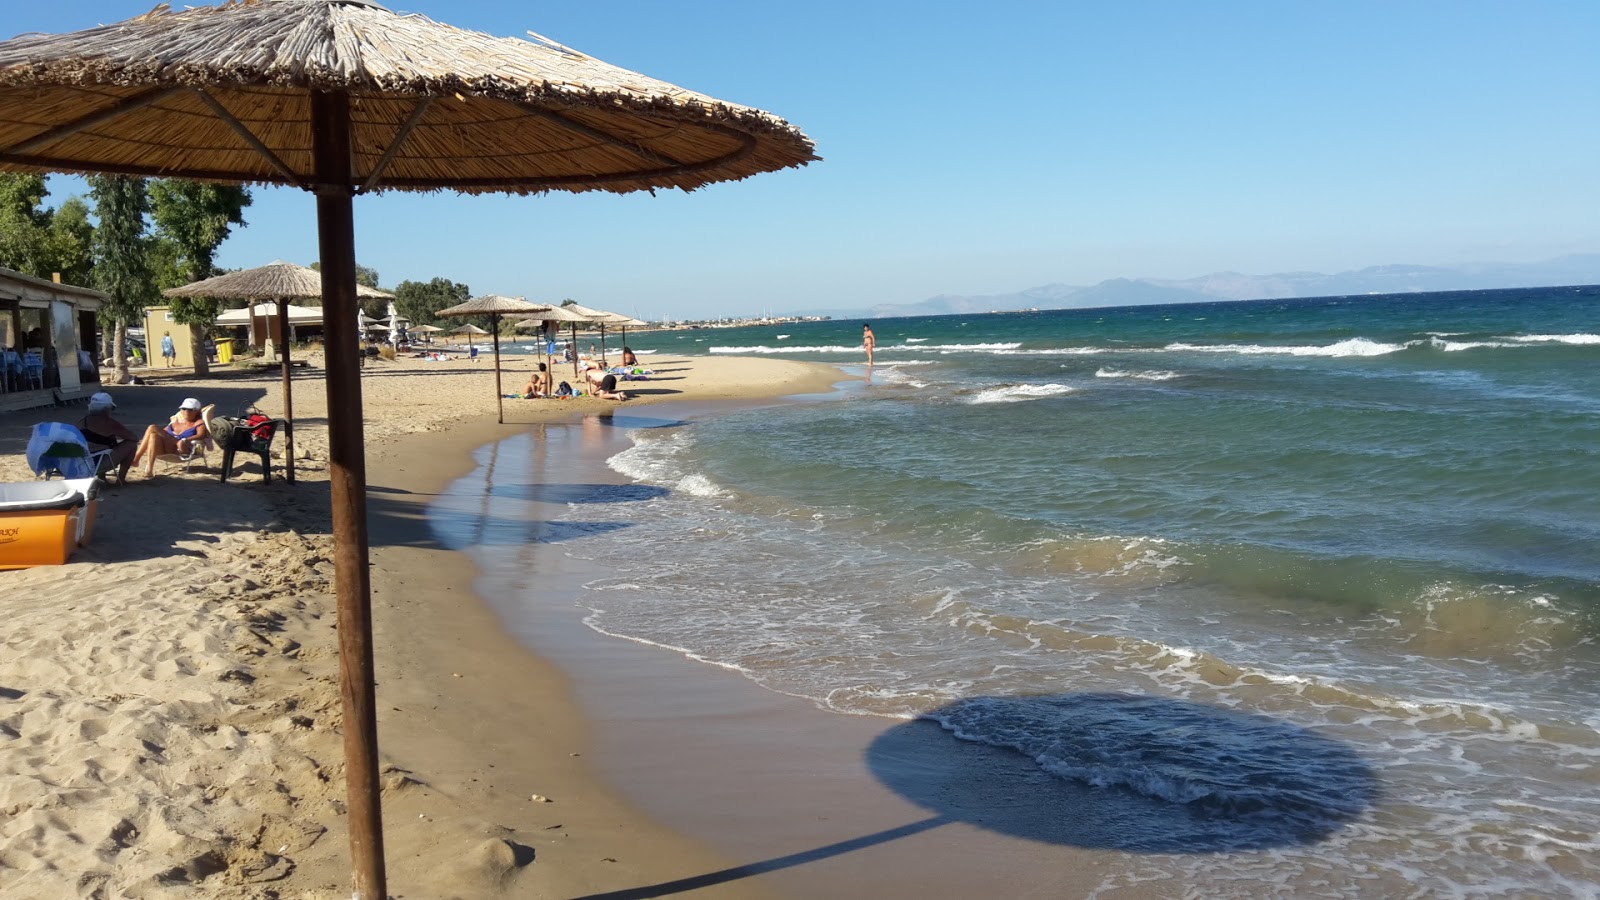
{"points": [[192, 220], [419, 300], [121, 256], [122, 246], [42, 242]]}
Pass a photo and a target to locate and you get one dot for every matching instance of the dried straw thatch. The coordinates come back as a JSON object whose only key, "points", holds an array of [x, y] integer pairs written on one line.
{"points": [[424, 329], [273, 281], [222, 93], [469, 329], [598, 316], [489, 305], [549, 313]]}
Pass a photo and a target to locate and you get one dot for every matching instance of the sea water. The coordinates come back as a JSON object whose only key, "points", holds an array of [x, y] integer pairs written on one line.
{"points": [[1371, 519]]}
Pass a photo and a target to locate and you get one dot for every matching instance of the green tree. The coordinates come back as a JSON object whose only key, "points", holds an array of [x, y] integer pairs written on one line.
{"points": [[41, 242], [192, 220], [122, 258], [24, 227], [72, 239], [419, 300]]}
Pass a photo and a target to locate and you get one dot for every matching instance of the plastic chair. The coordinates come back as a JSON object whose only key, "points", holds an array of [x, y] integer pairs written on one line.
{"points": [[33, 369], [199, 451], [236, 437], [56, 448]]}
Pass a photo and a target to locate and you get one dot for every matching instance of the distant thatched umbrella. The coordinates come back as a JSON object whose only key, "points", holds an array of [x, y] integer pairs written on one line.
{"points": [[602, 318], [280, 281], [494, 306], [263, 93], [425, 329], [559, 314]]}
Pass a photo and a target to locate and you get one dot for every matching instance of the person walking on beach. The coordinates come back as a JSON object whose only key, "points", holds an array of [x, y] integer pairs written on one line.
{"points": [[869, 341], [169, 350]]}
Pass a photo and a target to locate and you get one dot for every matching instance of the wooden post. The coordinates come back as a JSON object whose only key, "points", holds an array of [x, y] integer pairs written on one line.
{"points": [[499, 396], [330, 127], [288, 398]]}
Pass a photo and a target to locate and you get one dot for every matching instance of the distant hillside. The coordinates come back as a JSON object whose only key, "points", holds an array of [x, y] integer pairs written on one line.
{"points": [[1392, 279]]}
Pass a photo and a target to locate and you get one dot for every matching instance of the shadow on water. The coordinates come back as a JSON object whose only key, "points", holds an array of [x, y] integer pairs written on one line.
{"points": [[1126, 772], [1122, 772]]}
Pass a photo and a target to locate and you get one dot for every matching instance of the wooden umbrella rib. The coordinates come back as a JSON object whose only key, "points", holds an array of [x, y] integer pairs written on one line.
{"points": [[394, 145], [137, 102], [249, 138], [606, 137]]}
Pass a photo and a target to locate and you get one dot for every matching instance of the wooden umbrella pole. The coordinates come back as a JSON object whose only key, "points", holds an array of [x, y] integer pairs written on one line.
{"points": [[288, 398], [574, 352], [499, 396], [603, 361], [330, 115]]}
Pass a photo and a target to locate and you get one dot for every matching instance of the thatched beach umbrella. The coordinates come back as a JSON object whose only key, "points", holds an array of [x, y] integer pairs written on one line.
{"points": [[469, 330], [341, 97], [494, 306], [278, 281], [630, 322], [559, 314], [425, 329], [602, 318]]}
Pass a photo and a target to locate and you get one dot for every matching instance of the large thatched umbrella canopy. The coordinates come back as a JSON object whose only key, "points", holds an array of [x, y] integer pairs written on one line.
{"points": [[339, 97], [494, 306], [280, 281]]}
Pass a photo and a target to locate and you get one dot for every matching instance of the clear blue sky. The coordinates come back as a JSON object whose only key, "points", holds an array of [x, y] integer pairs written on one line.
{"points": [[986, 148]]}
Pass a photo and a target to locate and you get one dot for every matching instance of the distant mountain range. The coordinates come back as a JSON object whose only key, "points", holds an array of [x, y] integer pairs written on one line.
{"points": [[1395, 279]]}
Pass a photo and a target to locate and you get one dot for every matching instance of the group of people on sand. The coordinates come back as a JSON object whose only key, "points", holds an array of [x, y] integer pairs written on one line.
{"points": [[602, 384], [183, 431]]}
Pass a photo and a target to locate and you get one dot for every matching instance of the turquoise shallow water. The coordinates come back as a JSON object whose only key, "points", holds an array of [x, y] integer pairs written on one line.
{"points": [[1372, 518]]}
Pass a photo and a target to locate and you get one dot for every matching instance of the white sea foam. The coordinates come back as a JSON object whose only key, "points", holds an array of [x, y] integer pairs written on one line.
{"points": [[795, 349], [1458, 346], [916, 340], [1348, 347], [658, 461], [1556, 338], [1012, 393], [784, 337], [1153, 375]]}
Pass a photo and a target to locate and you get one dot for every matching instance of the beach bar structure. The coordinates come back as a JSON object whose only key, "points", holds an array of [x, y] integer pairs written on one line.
{"points": [[47, 341]]}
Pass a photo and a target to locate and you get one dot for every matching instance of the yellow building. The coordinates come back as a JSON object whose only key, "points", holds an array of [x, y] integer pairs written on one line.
{"points": [[158, 323]]}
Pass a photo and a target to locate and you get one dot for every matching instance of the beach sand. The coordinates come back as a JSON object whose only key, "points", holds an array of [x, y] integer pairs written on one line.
{"points": [[169, 706]]}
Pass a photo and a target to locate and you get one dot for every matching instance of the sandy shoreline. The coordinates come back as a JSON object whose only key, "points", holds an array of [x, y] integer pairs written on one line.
{"points": [[170, 703]]}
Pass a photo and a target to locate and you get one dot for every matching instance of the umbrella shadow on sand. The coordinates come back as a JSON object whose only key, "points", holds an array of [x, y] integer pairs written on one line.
{"points": [[1102, 771]]}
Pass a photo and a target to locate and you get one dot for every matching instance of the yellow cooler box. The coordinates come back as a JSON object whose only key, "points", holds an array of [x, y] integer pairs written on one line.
{"points": [[42, 522]]}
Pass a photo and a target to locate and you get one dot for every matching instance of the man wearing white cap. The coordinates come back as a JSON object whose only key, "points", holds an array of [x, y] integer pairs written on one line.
{"points": [[186, 429], [101, 430]]}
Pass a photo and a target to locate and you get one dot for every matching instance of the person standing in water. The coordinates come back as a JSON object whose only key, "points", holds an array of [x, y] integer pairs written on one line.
{"points": [[868, 340]]}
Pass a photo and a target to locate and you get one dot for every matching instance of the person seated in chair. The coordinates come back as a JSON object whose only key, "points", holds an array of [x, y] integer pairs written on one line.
{"points": [[102, 431], [186, 429]]}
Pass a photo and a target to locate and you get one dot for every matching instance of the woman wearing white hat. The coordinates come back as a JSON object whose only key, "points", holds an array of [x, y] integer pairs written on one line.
{"points": [[102, 430], [186, 429]]}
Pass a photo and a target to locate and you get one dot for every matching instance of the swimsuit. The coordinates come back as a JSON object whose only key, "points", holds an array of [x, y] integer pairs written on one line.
{"points": [[186, 435]]}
